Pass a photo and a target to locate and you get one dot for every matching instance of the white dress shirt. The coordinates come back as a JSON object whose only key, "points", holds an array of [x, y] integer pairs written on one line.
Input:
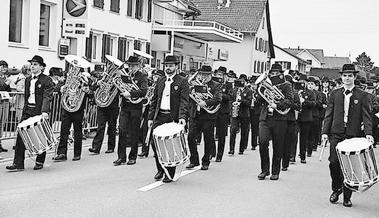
{"points": [[32, 89], [347, 103], [165, 103]]}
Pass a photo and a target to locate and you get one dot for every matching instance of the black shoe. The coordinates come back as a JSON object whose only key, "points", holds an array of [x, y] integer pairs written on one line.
{"points": [[303, 161], [131, 162], [334, 196], [204, 167], [142, 154], [253, 148], [263, 175], [315, 149], [60, 157], [240, 153], [292, 160], [231, 153], [274, 177], [159, 175], [14, 167], [38, 166], [191, 166], [76, 158], [118, 162], [309, 155], [218, 159], [347, 203], [94, 151], [166, 179], [109, 151], [3, 149], [284, 168]]}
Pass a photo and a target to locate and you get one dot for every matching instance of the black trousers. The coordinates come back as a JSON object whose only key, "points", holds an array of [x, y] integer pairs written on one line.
{"points": [[76, 119], [254, 123], [104, 116], [275, 130], [293, 148], [128, 127], [196, 127], [221, 132], [375, 129], [315, 133], [161, 119], [289, 143], [334, 166], [236, 122], [305, 135], [143, 130], [19, 153]]}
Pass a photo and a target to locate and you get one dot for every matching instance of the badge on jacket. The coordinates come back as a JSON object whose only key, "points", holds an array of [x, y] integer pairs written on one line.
{"points": [[356, 101], [176, 88], [39, 85], [224, 90]]}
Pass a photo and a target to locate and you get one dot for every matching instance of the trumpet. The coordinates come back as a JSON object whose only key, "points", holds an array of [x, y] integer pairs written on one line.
{"points": [[198, 97], [270, 93]]}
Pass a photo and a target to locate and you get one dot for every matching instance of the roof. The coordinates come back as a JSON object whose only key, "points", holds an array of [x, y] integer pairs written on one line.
{"points": [[336, 62], [242, 15], [291, 54], [317, 53]]}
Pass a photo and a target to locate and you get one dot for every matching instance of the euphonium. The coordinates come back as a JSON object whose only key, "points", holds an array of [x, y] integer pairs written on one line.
{"points": [[127, 87], [237, 104], [197, 97], [107, 91], [73, 94], [270, 93]]}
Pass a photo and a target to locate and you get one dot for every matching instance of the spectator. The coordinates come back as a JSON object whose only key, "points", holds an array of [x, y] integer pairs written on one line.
{"points": [[3, 74], [16, 80]]}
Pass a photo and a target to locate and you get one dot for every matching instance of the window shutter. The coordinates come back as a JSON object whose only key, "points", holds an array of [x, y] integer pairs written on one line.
{"points": [[98, 3], [149, 10], [105, 47], [136, 15], [115, 6], [130, 8], [89, 46], [255, 66]]}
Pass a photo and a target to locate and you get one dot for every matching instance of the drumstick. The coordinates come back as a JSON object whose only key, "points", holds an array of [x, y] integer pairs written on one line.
{"points": [[147, 141], [322, 149]]}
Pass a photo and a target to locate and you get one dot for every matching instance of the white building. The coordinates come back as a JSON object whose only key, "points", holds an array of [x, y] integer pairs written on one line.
{"points": [[252, 18], [32, 27], [288, 60]]}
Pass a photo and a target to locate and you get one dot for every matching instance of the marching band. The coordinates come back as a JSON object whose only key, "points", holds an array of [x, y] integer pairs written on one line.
{"points": [[276, 106]]}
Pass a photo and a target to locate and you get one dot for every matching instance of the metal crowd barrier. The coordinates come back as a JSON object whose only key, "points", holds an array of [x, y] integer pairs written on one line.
{"points": [[11, 112]]}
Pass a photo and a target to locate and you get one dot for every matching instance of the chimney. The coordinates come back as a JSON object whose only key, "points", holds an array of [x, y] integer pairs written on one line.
{"points": [[298, 47]]}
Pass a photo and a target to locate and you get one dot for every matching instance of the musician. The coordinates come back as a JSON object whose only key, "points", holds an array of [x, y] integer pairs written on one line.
{"points": [[272, 125], [348, 107], [38, 96], [169, 104], [255, 111], [74, 118], [130, 116], [242, 96], [106, 115], [202, 121], [322, 104], [315, 127], [223, 113]]}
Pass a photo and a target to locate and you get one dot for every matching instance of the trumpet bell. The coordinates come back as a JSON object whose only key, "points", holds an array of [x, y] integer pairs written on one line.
{"points": [[114, 60], [261, 78], [77, 61]]}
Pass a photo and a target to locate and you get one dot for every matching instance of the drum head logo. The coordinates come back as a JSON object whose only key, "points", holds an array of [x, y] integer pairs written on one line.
{"points": [[76, 8]]}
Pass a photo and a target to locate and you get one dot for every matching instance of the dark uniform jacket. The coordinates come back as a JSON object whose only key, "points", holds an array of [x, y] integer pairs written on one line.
{"points": [[44, 88], [246, 96], [294, 107], [215, 89], [318, 105], [140, 79], [227, 92], [307, 107], [359, 111], [179, 98], [324, 102], [286, 89]]}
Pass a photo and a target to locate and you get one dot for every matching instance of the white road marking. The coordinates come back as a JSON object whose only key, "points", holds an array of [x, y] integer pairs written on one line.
{"points": [[159, 183]]}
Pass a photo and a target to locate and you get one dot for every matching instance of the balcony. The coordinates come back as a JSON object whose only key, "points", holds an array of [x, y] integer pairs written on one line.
{"points": [[209, 31]]}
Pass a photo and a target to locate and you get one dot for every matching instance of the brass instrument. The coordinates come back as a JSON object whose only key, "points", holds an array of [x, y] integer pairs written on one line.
{"points": [[237, 104], [127, 87], [197, 97], [107, 91], [270, 93], [73, 93]]}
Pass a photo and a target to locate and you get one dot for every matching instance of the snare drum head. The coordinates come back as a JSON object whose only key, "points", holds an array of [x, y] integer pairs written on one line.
{"points": [[30, 121], [353, 144], [168, 129]]}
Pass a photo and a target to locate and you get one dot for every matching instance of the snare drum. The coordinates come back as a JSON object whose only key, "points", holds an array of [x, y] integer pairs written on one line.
{"points": [[37, 135], [171, 145], [358, 163]]}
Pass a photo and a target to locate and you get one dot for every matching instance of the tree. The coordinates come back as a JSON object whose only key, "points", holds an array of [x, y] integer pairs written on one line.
{"points": [[363, 62], [375, 71]]}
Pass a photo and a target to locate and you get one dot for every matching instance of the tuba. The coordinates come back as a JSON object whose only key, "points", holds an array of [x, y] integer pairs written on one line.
{"points": [[73, 94], [197, 97], [107, 91], [127, 87], [270, 93]]}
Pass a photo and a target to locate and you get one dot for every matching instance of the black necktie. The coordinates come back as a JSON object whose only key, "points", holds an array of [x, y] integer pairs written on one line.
{"points": [[35, 77], [347, 92]]}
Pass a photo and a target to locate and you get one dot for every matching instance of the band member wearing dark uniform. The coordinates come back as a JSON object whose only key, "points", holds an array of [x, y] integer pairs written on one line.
{"points": [[223, 113], [106, 115], [169, 103], [38, 95], [255, 110], [73, 118], [273, 125], [307, 102], [291, 135], [130, 116], [348, 107], [240, 114], [316, 125], [200, 120]]}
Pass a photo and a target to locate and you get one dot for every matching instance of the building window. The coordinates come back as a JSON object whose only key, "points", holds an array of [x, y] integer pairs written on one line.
{"points": [[98, 3], [256, 44], [139, 9], [255, 66], [94, 46], [115, 6], [154, 60], [149, 10], [122, 46], [137, 45], [263, 23], [130, 8], [265, 46], [44, 25], [15, 21], [262, 67], [106, 47], [89, 44], [258, 68], [309, 62]]}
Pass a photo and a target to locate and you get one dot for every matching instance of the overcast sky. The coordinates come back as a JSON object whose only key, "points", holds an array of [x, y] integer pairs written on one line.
{"points": [[337, 26]]}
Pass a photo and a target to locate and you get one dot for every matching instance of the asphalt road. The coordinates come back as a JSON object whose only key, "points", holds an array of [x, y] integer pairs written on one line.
{"points": [[94, 188]]}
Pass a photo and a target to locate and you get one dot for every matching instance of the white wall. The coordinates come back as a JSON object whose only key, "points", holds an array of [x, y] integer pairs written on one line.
{"points": [[261, 56], [283, 56], [306, 56]]}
